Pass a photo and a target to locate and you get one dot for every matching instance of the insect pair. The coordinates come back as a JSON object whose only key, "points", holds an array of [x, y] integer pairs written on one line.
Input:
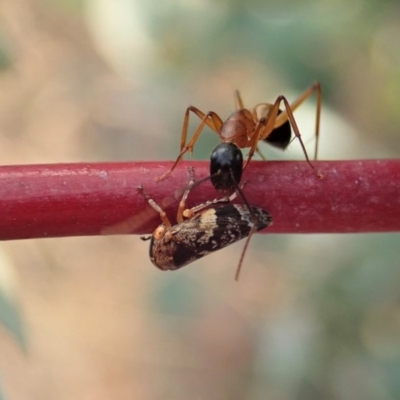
{"points": [[244, 128], [202, 229]]}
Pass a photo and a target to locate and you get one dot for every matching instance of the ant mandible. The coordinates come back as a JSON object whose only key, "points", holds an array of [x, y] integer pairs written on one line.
{"points": [[245, 128]]}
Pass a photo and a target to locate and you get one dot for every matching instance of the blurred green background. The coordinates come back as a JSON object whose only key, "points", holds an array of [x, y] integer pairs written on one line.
{"points": [[313, 317]]}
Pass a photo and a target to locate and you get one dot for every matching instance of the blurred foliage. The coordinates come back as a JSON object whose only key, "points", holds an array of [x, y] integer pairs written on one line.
{"points": [[5, 59], [10, 318]]}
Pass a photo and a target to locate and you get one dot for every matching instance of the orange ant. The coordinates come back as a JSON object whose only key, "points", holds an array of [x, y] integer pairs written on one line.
{"points": [[245, 128]]}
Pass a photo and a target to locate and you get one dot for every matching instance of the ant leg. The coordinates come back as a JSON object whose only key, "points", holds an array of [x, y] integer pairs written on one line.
{"points": [[213, 122], [261, 132], [283, 117], [189, 212], [238, 100], [252, 230], [297, 133], [182, 203], [210, 119], [263, 125], [156, 207], [239, 106]]}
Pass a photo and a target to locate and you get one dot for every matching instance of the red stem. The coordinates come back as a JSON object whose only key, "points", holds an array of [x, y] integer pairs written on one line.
{"points": [[101, 198]]}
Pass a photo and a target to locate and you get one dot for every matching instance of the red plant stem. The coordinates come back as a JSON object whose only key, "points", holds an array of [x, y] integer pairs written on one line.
{"points": [[102, 198]]}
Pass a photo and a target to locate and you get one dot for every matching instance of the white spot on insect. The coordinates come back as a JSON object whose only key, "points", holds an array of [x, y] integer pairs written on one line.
{"points": [[207, 219]]}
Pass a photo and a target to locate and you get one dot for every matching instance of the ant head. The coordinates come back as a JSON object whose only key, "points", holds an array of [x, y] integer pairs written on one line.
{"points": [[226, 167]]}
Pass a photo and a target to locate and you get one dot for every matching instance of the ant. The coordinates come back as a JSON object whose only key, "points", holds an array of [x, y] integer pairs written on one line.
{"points": [[245, 128]]}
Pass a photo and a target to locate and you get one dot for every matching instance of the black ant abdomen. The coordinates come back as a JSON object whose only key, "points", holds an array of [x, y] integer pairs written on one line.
{"points": [[281, 136]]}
